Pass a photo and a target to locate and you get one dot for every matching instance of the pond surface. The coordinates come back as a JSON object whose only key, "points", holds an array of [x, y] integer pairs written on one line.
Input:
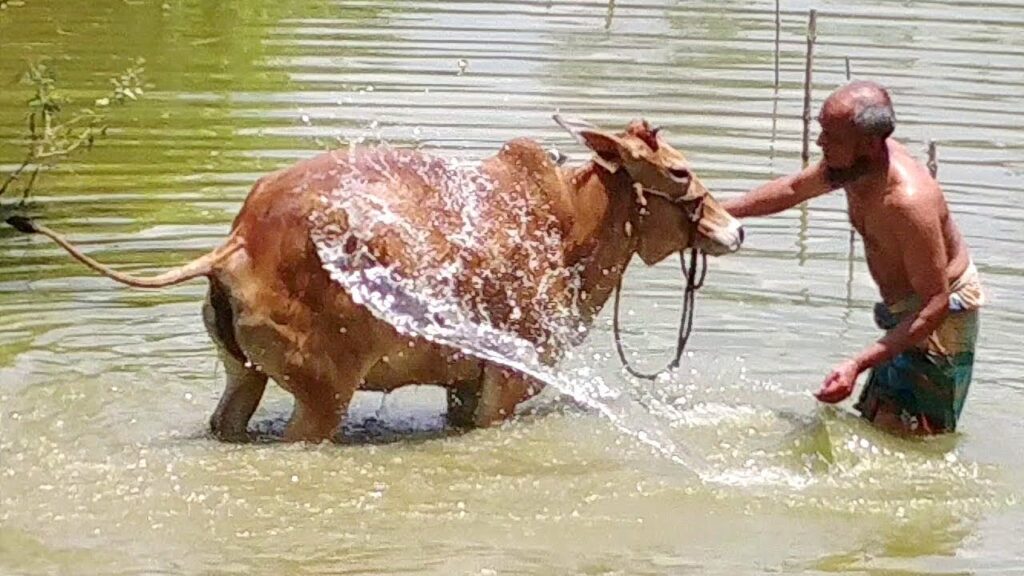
{"points": [[105, 392]]}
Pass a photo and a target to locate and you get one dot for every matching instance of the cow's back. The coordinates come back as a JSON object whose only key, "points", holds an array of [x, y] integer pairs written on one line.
{"points": [[480, 240]]}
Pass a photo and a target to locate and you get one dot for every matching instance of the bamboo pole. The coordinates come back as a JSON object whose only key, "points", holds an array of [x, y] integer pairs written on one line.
{"points": [[853, 233], [778, 39], [933, 159], [805, 155], [812, 35], [775, 91]]}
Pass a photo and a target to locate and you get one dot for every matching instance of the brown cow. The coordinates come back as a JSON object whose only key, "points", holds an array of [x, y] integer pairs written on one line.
{"points": [[360, 268]]}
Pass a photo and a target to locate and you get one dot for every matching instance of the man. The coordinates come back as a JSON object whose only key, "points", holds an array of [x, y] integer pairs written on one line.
{"points": [[921, 368]]}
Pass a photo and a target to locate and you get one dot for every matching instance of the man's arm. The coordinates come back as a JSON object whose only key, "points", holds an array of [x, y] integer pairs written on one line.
{"points": [[925, 260], [783, 193]]}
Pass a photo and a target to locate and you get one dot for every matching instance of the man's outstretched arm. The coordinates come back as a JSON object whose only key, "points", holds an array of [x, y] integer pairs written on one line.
{"points": [[782, 193]]}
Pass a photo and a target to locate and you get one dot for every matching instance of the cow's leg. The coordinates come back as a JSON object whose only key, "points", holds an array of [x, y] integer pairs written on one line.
{"points": [[242, 394], [463, 399], [244, 385], [316, 420], [323, 393], [501, 390]]}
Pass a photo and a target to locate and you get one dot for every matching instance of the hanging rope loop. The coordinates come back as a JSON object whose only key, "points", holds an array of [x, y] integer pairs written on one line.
{"points": [[694, 282]]}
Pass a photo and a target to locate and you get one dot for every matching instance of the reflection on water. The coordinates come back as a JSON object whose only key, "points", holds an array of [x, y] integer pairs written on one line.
{"points": [[105, 392]]}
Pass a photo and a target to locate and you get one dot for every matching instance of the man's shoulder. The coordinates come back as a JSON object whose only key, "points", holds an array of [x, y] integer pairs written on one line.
{"points": [[911, 187], [913, 200], [914, 207]]}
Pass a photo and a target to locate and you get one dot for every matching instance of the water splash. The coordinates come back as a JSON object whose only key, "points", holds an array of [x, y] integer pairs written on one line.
{"points": [[480, 269]]}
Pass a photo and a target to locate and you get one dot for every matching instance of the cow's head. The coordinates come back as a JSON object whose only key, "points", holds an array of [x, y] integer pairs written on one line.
{"points": [[675, 210]]}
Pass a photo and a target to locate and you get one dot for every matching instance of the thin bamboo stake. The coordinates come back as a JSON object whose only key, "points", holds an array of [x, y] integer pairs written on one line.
{"points": [[933, 159], [853, 233], [778, 39], [775, 91], [805, 155], [812, 35]]}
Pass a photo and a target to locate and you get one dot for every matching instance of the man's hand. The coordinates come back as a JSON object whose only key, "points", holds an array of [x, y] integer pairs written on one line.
{"points": [[839, 384]]}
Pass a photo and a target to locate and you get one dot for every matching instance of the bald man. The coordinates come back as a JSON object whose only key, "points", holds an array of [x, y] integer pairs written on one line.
{"points": [[921, 368]]}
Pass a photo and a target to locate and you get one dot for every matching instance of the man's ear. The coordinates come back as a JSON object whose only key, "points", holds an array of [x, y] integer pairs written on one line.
{"points": [[607, 148]]}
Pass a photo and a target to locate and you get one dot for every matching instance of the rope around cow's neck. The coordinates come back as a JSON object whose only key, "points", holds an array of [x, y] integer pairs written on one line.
{"points": [[693, 284]]}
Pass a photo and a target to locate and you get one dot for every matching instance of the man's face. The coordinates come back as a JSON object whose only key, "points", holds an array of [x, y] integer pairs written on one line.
{"points": [[840, 141]]}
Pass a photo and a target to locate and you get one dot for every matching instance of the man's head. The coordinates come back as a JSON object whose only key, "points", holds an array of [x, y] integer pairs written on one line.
{"points": [[855, 122]]}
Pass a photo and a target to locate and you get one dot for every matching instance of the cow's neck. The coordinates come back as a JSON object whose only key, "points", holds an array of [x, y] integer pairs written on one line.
{"points": [[601, 244]]}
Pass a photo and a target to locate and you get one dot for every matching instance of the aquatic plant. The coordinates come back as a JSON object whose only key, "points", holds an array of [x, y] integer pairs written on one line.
{"points": [[54, 133]]}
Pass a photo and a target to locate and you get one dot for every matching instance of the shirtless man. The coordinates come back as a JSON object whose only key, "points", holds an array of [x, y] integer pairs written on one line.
{"points": [[921, 368]]}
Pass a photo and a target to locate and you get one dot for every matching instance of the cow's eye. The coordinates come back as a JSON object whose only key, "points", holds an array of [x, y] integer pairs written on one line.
{"points": [[679, 174]]}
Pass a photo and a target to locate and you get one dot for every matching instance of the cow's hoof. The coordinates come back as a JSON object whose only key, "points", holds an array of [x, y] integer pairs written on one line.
{"points": [[225, 433]]}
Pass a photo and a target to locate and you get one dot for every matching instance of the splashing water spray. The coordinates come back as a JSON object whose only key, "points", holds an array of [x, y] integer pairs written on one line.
{"points": [[446, 296]]}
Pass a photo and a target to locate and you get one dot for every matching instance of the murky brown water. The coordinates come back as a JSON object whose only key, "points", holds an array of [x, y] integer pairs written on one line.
{"points": [[105, 392]]}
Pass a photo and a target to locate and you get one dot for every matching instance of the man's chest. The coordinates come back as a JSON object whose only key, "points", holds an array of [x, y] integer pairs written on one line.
{"points": [[863, 217], [881, 243]]}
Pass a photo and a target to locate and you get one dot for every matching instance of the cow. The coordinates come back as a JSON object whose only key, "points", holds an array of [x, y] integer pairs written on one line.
{"points": [[372, 268]]}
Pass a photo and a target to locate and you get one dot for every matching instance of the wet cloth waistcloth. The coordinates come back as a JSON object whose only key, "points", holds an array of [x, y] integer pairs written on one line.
{"points": [[928, 383]]}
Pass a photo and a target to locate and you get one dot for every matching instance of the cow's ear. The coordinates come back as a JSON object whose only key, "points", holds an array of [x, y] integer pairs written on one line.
{"points": [[607, 148]]}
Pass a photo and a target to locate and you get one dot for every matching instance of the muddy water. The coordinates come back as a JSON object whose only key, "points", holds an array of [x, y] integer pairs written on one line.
{"points": [[104, 392]]}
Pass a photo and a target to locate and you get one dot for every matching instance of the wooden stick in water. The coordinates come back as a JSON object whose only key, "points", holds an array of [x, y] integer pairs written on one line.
{"points": [[775, 91], [805, 216], [778, 39], [812, 35], [933, 159], [853, 233]]}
